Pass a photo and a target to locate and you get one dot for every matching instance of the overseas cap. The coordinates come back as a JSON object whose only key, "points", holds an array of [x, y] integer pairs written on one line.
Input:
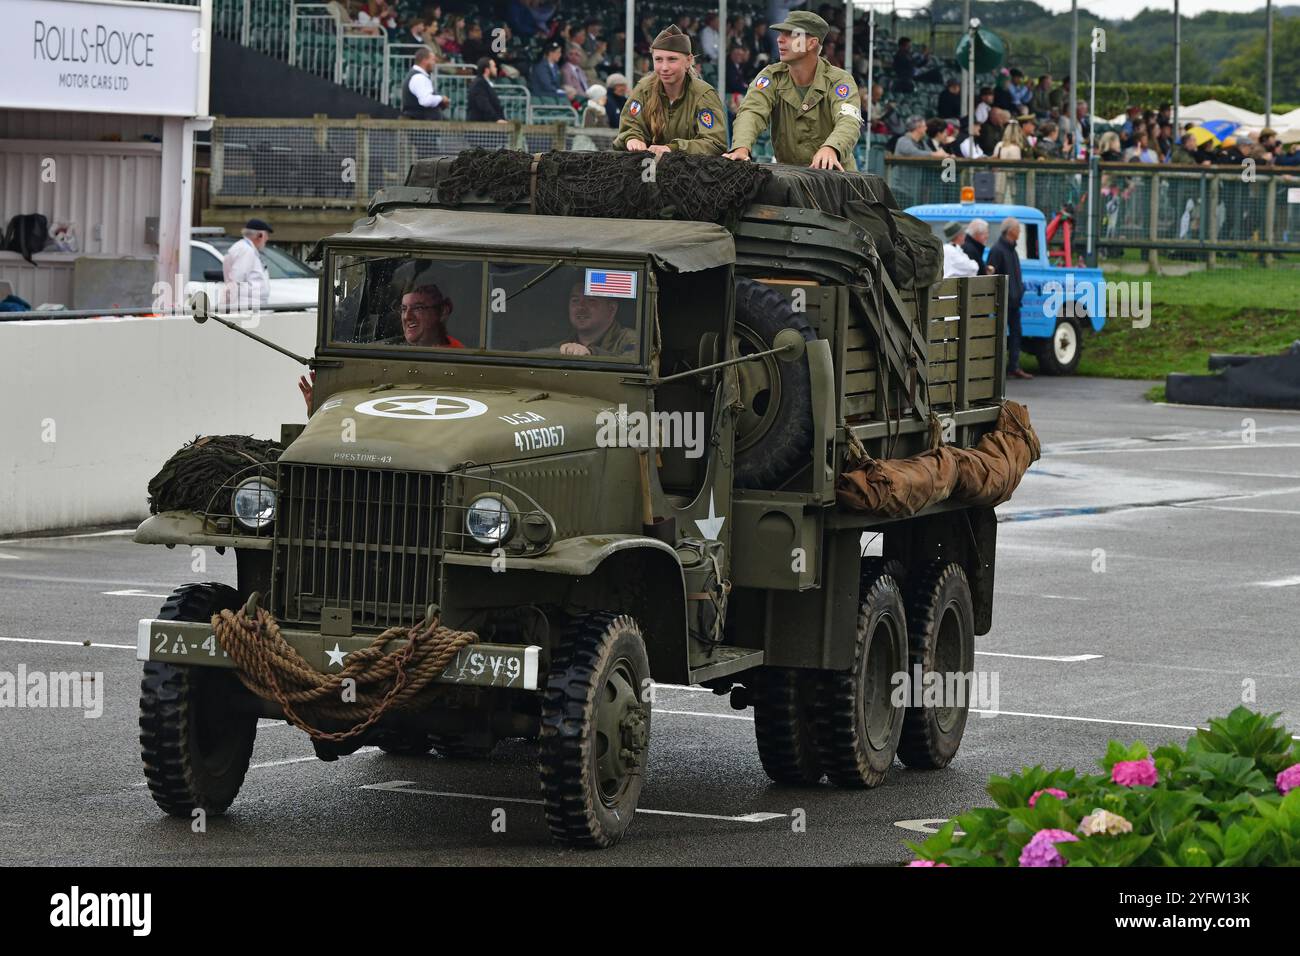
{"points": [[260, 224], [950, 230], [809, 23], [673, 40]]}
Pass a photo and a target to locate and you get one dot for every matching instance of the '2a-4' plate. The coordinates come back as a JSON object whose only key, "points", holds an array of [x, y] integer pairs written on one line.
{"points": [[193, 644]]}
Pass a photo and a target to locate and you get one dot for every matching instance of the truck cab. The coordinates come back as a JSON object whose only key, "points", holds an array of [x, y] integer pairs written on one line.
{"points": [[1060, 304]]}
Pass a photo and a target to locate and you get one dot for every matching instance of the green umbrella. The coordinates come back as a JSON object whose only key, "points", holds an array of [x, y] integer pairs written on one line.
{"points": [[989, 51]]}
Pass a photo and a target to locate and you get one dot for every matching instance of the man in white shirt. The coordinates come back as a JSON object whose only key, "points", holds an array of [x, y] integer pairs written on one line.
{"points": [[419, 101], [709, 38], [955, 262], [247, 284]]}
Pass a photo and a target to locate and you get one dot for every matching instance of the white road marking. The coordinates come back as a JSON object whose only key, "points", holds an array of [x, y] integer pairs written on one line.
{"points": [[132, 592], [277, 763], [1232, 474], [1086, 720], [1064, 597], [1280, 582], [408, 786], [1254, 511], [37, 539], [1138, 449], [702, 713], [1062, 658], [37, 640], [9, 557], [929, 825]]}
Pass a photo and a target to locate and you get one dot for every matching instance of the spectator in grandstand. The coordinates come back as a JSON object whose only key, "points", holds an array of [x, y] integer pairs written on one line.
{"points": [[419, 101], [915, 142], [950, 105], [968, 143], [709, 38], [593, 114], [1132, 122], [983, 103], [414, 33], [1021, 94], [1040, 100], [545, 76], [1187, 153], [1164, 141], [1002, 95], [1266, 149], [1082, 121], [573, 77], [1028, 126], [738, 75], [956, 263], [1059, 98], [449, 36], [1013, 144], [645, 34], [1048, 145], [762, 44], [904, 67], [1140, 151], [942, 134], [484, 106], [594, 29], [1109, 149], [473, 48], [990, 134], [615, 98]]}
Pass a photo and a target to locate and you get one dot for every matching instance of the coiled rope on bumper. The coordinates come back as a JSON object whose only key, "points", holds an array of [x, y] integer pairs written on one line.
{"points": [[270, 667]]}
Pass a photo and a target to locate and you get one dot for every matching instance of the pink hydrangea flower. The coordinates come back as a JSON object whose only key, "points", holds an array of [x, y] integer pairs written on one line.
{"points": [[1059, 794], [1288, 779], [926, 863], [1041, 850], [1103, 821], [1134, 773]]}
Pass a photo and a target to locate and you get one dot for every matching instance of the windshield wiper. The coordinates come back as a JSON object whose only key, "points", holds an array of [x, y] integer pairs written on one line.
{"points": [[532, 282]]}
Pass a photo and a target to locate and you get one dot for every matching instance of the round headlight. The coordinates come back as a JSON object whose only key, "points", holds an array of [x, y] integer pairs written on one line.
{"points": [[487, 520], [254, 503]]}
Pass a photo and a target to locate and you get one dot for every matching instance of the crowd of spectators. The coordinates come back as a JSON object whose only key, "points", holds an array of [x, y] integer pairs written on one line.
{"points": [[575, 62]]}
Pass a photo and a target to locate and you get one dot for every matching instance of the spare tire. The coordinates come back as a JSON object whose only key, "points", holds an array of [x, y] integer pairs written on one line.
{"points": [[774, 430]]}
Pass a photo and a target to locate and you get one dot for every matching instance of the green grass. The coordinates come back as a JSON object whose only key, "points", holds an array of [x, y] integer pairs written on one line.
{"points": [[1226, 310]]}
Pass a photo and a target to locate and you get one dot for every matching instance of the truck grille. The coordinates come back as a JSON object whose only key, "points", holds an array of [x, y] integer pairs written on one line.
{"points": [[358, 539]]}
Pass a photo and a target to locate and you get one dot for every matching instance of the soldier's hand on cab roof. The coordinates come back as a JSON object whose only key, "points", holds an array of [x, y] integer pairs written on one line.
{"points": [[826, 158], [659, 151], [635, 146], [739, 153]]}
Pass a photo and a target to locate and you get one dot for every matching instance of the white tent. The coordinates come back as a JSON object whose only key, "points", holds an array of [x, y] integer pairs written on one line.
{"points": [[1218, 110]]}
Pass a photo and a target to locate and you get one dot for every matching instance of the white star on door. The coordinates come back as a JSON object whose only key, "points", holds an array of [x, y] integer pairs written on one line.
{"points": [[711, 526], [336, 656]]}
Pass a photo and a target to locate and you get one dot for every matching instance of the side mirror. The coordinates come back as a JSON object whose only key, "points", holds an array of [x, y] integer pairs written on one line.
{"points": [[199, 307], [791, 345]]}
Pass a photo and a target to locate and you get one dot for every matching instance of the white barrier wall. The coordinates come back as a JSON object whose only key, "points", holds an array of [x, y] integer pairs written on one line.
{"points": [[93, 407]]}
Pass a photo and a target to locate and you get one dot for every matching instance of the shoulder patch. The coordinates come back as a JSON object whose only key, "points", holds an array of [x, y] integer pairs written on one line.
{"points": [[762, 82], [706, 119], [633, 108], [842, 90]]}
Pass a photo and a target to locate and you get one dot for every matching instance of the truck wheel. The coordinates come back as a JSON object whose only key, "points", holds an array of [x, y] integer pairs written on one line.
{"points": [[941, 640], [195, 740], [1060, 354], [595, 731], [858, 720], [774, 432], [784, 699]]}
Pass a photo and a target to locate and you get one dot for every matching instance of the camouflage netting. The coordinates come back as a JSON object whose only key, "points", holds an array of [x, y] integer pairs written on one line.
{"points": [[195, 473], [984, 475], [609, 184]]}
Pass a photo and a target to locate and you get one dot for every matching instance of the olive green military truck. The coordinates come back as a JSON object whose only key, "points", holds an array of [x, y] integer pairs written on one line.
{"points": [[603, 453]]}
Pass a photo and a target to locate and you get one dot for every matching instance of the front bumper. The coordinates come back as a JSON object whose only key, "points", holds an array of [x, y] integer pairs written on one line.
{"points": [[191, 644]]}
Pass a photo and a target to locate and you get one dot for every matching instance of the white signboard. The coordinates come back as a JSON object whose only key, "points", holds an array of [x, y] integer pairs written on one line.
{"points": [[1293, 195], [103, 56]]}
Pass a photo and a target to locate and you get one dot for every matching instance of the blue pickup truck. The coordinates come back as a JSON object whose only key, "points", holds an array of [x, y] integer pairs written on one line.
{"points": [[1059, 302]]}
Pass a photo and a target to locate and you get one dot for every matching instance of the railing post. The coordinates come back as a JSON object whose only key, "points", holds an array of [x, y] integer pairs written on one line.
{"points": [[362, 185], [1212, 259], [293, 35], [244, 28], [1153, 227], [1270, 216], [338, 53], [218, 160]]}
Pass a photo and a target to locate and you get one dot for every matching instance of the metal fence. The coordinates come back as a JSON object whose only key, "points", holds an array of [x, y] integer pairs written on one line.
{"points": [[324, 163], [1143, 212]]}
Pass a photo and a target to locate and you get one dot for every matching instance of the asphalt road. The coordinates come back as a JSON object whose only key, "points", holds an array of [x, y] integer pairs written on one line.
{"points": [[1147, 580]]}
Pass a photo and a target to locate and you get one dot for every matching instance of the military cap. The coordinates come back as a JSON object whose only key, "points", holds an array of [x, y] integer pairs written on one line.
{"points": [[951, 229], [673, 40], [809, 23], [259, 224]]}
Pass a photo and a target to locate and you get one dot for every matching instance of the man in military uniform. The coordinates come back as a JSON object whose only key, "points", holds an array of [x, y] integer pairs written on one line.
{"points": [[671, 109], [595, 331], [811, 107]]}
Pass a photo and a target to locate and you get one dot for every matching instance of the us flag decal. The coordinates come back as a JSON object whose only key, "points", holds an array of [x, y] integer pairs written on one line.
{"points": [[611, 283]]}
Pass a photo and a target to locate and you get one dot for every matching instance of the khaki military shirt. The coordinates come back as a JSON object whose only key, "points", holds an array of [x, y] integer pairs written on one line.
{"points": [[618, 340], [830, 114], [696, 123]]}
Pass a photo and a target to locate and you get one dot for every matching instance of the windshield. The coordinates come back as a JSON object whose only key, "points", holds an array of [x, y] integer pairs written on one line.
{"points": [[557, 307]]}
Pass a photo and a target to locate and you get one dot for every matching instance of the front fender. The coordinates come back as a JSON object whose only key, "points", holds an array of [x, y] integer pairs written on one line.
{"points": [[189, 527]]}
